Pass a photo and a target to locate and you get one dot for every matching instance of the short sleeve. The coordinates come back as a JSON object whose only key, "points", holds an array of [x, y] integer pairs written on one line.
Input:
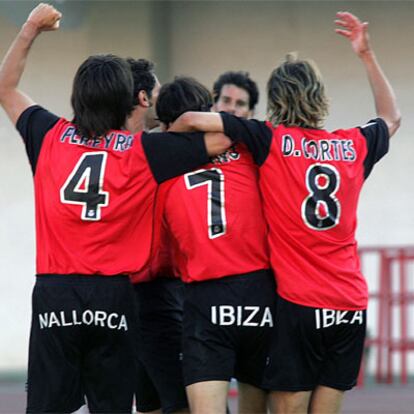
{"points": [[255, 134], [377, 138], [171, 154], [33, 124]]}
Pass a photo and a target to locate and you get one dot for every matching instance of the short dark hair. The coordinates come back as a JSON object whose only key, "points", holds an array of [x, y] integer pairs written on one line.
{"points": [[143, 74], [241, 80], [101, 95], [182, 95]]}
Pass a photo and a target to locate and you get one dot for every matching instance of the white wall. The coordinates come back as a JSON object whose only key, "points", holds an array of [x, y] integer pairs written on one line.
{"points": [[204, 39]]}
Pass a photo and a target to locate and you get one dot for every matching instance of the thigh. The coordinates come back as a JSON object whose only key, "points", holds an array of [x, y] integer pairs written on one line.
{"points": [[160, 341], [208, 349], [296, 349], [109, 357], [226, 327], [313, 346], [208, 397], [166, 373], [326, 400], [146, 395], [252, 399], [344, 344], [54, 370], [290, 402], [257, 322]]}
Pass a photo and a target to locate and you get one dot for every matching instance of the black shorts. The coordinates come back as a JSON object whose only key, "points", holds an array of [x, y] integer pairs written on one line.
{"points": [[227, 327], [159, 327], [81, 344], [312, 346]]}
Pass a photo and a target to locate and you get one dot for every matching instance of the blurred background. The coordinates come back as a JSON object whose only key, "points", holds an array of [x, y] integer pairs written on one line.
{"points": [[204, 39]]}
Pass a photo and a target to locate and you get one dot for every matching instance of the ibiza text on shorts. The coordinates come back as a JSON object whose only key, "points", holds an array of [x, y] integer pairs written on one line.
{"points": [[254, 316]]}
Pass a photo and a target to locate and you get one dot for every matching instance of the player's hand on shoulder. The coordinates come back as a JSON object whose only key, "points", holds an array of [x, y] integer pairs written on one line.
{"points": [[355, 31], [45, 17]]}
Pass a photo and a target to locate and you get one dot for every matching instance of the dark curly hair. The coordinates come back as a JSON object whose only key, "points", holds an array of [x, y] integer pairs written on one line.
{"points": [[241, 80], [143, 74]]}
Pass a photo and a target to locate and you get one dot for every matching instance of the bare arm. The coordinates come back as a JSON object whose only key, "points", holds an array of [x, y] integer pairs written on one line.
{"points": [[14, 102], [198, 121], [385, 102], [216, 143]]}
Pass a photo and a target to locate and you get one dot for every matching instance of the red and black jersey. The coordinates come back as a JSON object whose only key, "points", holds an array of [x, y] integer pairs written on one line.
{"points": [[95, 197], [215, 216], [161, 263], [310, 182]]}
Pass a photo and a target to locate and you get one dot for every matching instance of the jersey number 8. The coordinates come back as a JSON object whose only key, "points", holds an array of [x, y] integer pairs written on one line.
{"points": [[321, 209]]}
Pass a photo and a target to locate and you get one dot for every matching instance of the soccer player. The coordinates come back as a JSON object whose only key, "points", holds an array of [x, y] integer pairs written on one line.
{"points": [[95, 185], [310, 181], [215, 219], [159, 294], [235, 93], [146, 90]]}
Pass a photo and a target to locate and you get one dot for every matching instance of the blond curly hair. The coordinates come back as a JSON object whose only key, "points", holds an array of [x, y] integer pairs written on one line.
{"points": [[296, 94]]}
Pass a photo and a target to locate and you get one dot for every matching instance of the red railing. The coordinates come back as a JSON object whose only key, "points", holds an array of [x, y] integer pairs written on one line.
{"points": [[395, 293]]}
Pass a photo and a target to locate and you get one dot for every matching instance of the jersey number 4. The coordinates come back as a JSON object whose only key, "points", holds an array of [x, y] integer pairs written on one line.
{"points": [[84, 185], [214, 180], [321, 209]]}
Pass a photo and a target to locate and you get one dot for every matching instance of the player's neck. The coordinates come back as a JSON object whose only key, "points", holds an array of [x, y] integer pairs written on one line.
{"points": [[136, 121]]}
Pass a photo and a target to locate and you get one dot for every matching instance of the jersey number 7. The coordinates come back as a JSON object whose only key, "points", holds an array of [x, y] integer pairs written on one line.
{"points": [[214, 180]]}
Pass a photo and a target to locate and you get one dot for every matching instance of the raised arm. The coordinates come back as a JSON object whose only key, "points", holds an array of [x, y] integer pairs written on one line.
{"points": [[385, 102], [198, 121], [43, 18]]}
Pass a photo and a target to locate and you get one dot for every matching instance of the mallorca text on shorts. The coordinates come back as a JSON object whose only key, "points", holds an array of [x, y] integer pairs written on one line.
{"points": [[87, 317]]}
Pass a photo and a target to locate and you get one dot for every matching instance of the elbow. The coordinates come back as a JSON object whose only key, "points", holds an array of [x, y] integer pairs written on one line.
{"points": [[394, 123], [5, 92], [217, 143], [397, 121]]}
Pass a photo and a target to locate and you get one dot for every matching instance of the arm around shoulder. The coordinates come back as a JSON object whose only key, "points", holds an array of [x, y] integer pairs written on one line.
{"points": [[216, 143], [198, 121]]}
